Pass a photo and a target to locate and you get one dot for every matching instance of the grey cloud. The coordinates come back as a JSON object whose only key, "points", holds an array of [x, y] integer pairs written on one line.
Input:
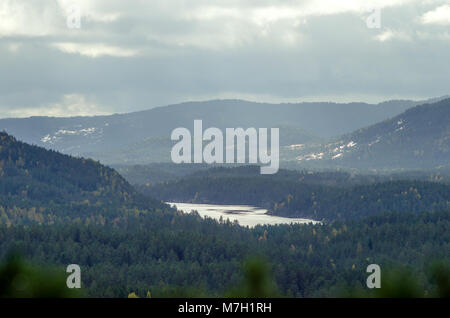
{"points": [[181, 57]]}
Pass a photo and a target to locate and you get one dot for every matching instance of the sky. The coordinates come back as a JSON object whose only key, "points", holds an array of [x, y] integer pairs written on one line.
{"points": [[91, 57]]}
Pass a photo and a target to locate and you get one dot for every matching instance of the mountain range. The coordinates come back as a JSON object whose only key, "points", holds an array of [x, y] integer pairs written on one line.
{"points": [[419, 138], [311, 134]]}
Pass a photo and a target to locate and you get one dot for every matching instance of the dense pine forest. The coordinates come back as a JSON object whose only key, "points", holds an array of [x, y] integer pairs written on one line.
{"points": [[48, 187], [57, 210], [325, 196], [172, 254]]}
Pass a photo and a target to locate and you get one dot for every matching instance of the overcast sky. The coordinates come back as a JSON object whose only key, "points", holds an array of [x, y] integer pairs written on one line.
{"points": [[132, 55]]}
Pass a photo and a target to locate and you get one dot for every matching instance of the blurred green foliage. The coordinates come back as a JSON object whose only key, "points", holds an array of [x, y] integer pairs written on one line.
{"points": [[440, 275], [402, 282], [257, 281], [19, 279]]}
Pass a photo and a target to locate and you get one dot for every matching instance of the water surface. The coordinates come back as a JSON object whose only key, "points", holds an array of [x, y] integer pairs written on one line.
{"points": [[246, 215]]}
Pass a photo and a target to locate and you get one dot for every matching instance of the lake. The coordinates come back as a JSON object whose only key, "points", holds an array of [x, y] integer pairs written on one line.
{"points": [[246, 215]]}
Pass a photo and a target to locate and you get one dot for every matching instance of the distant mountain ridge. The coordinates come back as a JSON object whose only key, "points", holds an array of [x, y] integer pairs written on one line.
{"points": [[418, 138], [114, 135]]}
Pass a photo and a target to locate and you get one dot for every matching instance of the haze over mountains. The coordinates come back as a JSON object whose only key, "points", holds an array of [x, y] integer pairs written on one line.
{"points": [[417, 138], [305, 128], [321, 119]]}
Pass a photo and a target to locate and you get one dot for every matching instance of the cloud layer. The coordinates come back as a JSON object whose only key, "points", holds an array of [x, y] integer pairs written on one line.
{"points": [[132, 55]]}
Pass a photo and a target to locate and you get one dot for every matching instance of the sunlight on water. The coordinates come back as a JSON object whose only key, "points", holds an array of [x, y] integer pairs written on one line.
{"points": [[246, 215]]}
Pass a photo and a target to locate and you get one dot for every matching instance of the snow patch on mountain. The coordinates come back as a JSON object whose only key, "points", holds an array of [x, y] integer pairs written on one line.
{"points": [[298, 146], [375, 141], [59, 134], [311, 156]]}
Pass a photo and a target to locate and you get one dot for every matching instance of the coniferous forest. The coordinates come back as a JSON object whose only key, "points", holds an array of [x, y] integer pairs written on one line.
{"points": [[57, 210]]}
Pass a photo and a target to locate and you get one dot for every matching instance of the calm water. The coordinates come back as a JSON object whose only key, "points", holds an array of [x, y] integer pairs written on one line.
{"points": [[246, 215]]}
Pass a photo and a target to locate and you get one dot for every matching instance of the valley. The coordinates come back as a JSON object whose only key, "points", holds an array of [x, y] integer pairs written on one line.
{"points": [[379, 194]]}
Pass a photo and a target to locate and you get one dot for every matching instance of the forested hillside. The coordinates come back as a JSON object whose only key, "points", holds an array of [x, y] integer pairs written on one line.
{"points": [[47, 186], [57, 210], [159, 172], [321, 196], [419, 138], [144, 137], [178, 256]]}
